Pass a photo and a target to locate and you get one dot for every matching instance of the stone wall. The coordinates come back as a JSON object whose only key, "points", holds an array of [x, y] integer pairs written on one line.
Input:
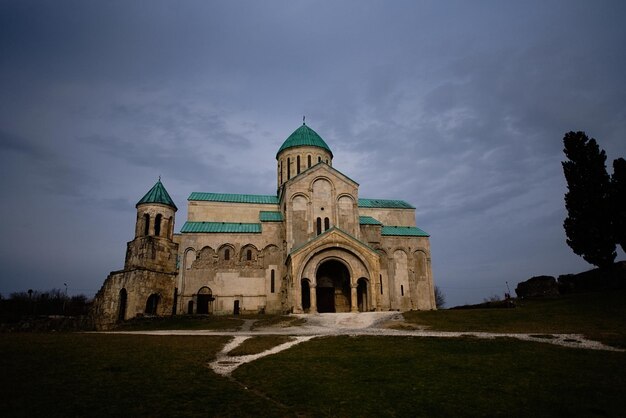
{"points": [[138, 285], [219, 262]]}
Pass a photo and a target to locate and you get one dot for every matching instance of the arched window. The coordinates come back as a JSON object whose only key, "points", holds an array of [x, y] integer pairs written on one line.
{"points": [[298, 165], [157, 225], [280, 170], [226, 254], [121, 313], [319, 226], [146, 224], [381, 284], [272, 282], [249, 255], [402, 289], [326, 224], [319, 159], [288, 168], [326, 160], [308, 157], [152, 304]]}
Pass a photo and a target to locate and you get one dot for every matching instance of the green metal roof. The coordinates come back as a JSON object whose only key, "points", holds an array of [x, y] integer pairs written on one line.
{"points": [[234, 198], [302, 137], [403, 231], [157, 194], [368, 220], [384, 203], [221, 227], [270, 216]]}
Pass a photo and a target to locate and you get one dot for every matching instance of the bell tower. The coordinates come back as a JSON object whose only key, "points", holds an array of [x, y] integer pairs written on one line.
{"points": [[146, 286], [153, 247]]}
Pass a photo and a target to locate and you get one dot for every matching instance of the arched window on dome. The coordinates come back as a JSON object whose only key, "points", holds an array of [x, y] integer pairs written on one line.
{"points": [[319, 226], [288, 168], [319, 159], [326, 160], [298, 165], [326, 224], [308, 157]]}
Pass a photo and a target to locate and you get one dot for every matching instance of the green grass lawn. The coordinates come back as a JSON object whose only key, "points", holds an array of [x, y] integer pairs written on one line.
{"points": [[60, 375], [598, 315], [65, 375], [71, 374], [427, 377]]}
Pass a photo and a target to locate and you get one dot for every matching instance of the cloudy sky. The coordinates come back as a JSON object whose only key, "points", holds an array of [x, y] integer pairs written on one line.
{"points": [[457, 107]]}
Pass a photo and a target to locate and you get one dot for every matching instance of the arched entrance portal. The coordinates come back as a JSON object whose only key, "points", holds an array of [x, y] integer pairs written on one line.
{"points": [[361, 295], [205, 301], [333, 287]]}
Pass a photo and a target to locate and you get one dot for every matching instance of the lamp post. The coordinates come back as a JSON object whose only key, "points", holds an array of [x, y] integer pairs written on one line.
{"points": [[65, 298]]}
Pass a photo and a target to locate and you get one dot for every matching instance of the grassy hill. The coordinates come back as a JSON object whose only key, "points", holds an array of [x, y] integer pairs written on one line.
{"points": [[599, 315]]}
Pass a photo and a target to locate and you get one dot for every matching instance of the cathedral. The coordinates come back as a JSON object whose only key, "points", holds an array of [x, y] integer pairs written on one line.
{"points": [[313, 247]]}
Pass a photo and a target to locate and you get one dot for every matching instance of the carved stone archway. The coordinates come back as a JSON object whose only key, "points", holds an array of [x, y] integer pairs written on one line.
{"points": [[333, 292]]}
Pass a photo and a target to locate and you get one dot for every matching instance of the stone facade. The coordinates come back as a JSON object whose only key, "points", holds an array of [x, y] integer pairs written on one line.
{"points": [[315, 246]]}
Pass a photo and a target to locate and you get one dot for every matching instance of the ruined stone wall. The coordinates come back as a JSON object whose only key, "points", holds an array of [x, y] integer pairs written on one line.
{"points": [[153, 253], [139, 285]]}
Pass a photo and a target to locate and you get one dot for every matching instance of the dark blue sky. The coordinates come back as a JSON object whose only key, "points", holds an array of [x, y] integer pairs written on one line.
{"points": [[457, 107]]}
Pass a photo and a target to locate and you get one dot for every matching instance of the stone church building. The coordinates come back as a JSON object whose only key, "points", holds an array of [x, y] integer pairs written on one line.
{"points": [[314, 246]]}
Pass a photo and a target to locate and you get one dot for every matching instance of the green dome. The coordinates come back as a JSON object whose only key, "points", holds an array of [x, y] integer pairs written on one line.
{"points": [[304, 137], [157, 194]]}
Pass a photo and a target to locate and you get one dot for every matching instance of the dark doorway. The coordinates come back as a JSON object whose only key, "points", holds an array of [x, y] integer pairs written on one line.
{"points": [[333, 287], [325, 299], [205, 301], [306, 294], [190, 307], [152, 304], [121, 313], [361, 295], [236, 308]]}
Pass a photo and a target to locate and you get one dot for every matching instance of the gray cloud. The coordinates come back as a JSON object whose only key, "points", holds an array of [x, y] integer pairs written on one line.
{"points": [[458, 108]]}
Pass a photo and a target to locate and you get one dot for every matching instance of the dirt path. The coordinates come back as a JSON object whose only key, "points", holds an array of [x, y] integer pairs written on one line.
{"points": [[225, 364], [354, 324]]}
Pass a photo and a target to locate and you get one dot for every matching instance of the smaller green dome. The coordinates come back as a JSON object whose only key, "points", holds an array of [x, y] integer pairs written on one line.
{"points": [[304, 137], [157, 194]]}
